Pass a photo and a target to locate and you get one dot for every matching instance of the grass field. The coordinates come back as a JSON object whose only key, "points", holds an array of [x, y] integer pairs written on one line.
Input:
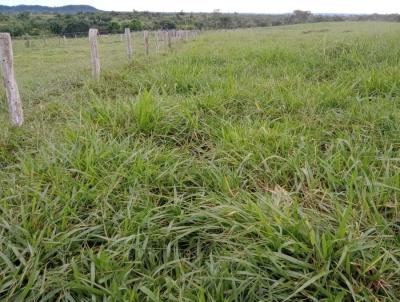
{"points": [[249, 165]]}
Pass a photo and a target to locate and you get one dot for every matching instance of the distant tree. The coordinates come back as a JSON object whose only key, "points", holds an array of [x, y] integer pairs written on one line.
{"points": [[300, 16], [56, 26], [337, 18], [199, 25], [24, 16], [168, 24], [104, 18], [15, 29], [225, 21], [38, 24], [136, 25], [76, 26], [114, 27], [4, 17]]}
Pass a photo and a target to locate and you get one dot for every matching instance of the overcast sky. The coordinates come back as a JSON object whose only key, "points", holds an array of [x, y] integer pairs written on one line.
{"points": [[255, 6]]}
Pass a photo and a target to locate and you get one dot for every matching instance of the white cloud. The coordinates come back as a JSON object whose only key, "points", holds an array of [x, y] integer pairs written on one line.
{"points": [[255, 6]]}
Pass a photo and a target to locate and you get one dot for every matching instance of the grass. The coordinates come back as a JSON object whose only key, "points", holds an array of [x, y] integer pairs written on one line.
{"points": [[249, 165]]}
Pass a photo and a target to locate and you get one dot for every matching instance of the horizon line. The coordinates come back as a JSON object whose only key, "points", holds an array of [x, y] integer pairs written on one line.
{"points": [[211, 11]]}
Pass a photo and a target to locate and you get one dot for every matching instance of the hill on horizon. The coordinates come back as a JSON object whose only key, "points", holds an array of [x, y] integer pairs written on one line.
{"points": [[67, 9]]}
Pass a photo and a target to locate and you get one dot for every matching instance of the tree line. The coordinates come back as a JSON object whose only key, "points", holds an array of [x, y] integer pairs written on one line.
{"points": [[31, 24]]}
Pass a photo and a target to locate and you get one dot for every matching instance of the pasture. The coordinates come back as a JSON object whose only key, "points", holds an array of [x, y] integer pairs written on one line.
{"points": [[247, 165]]}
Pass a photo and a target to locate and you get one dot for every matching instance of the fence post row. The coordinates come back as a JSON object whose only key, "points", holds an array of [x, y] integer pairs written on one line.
{"points": [[10, 84], [95, 59], [169, 37], [146, 42], [166, 37], [128, 42], [157, 41]]}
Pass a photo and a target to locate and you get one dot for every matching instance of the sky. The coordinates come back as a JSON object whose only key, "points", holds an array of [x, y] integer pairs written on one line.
{"points": [[249, 6]]}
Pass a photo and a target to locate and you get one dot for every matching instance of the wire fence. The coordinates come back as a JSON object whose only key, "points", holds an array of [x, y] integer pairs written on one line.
{"points": [[44, 65]]}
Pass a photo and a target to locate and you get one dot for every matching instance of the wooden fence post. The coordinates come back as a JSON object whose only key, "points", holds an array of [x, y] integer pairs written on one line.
{"points": [[157, 41], [169, 34], [94, 53], [12, 92], [128, 42], [146, 42], [165, 39]]}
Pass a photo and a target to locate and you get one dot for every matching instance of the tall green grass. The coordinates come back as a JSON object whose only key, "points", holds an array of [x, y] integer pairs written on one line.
{"points": [[250, 165]]}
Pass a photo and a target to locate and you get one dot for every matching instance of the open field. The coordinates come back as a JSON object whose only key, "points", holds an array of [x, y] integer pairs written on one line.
{"points": [[249, 165]]}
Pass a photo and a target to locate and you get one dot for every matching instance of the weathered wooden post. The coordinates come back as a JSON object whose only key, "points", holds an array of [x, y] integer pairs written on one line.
{"points": [[169, 39], [157, 33], [128, 42], [10, 84], [95, 59], [146, 42], [27, 42], [65, 39], [165, 39]]}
